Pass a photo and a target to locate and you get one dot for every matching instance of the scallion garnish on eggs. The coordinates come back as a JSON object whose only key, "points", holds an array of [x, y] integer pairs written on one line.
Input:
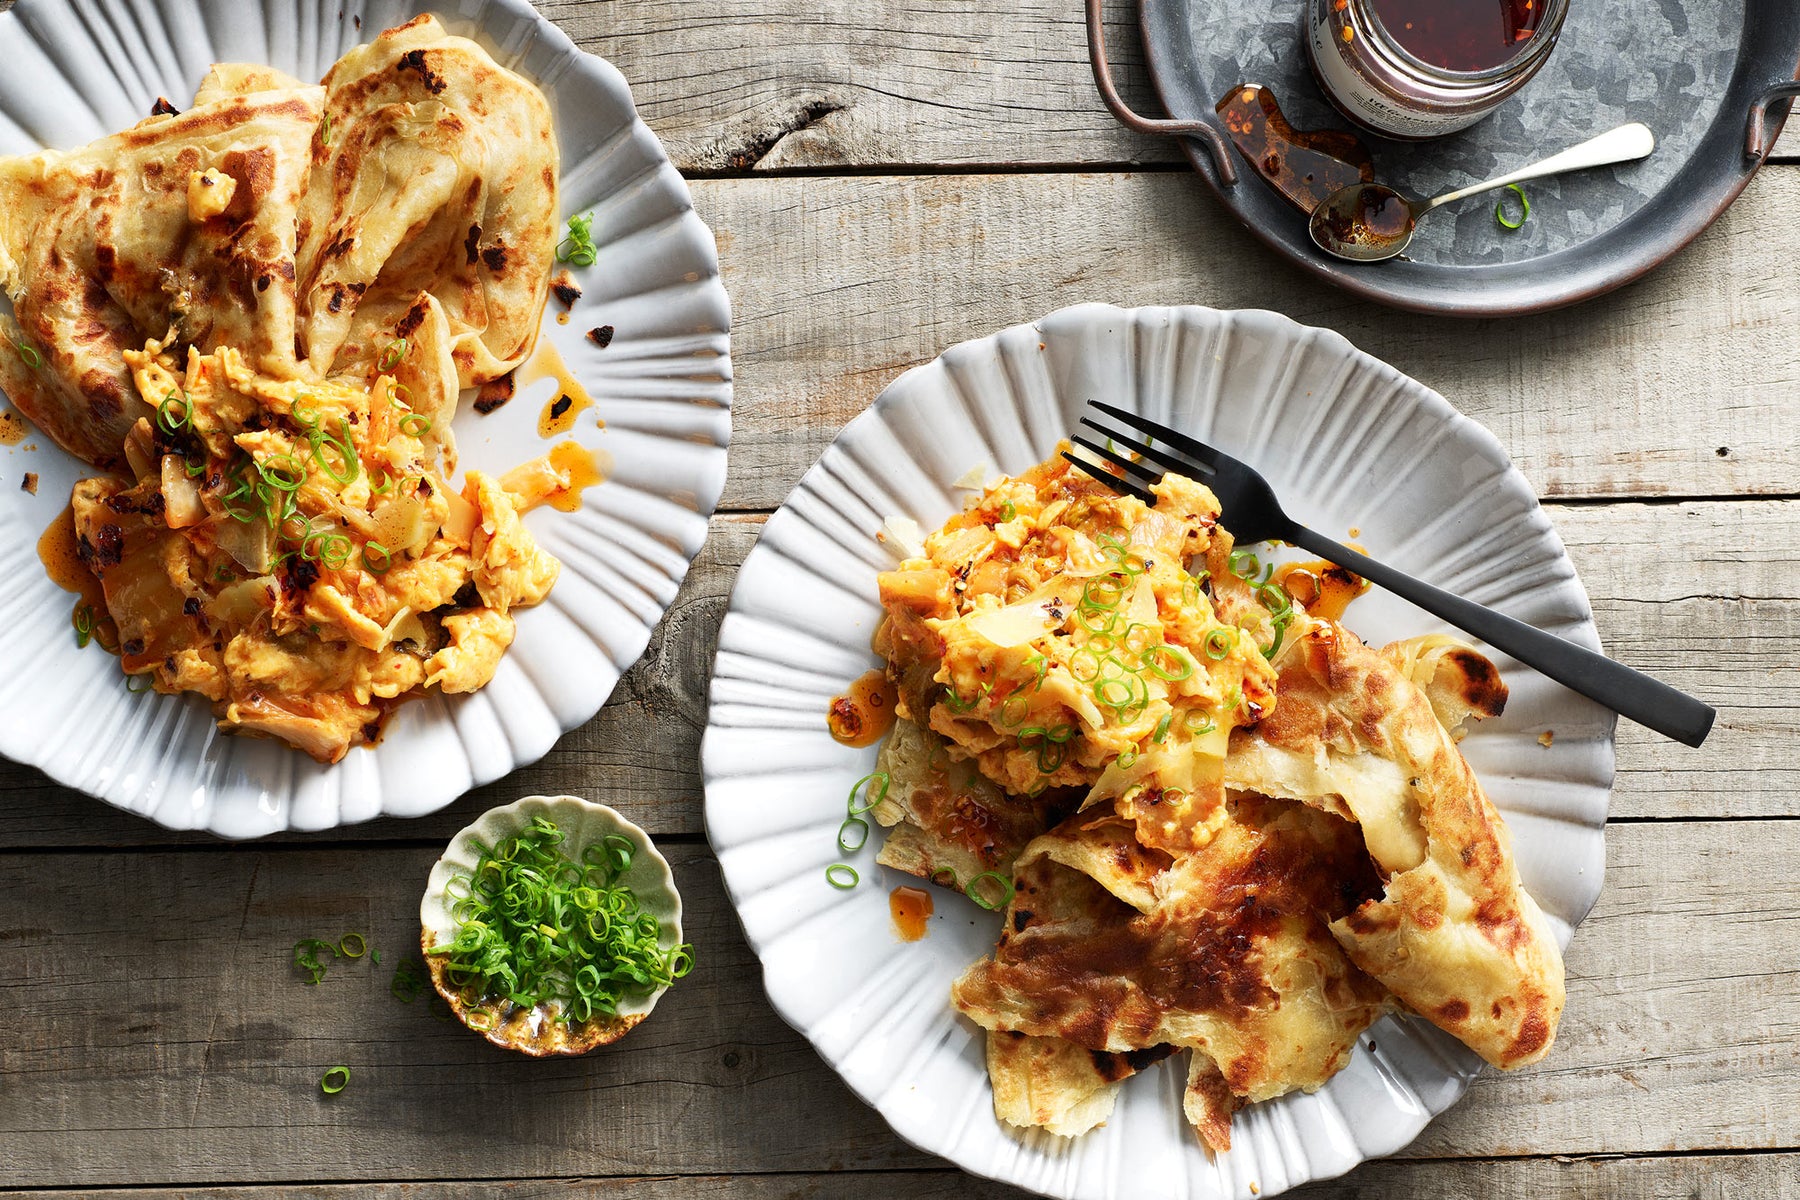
{"points": [[536, 927]]}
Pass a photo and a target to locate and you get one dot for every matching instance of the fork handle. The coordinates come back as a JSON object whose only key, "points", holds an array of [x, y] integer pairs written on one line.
{"points": [[1629, 693]]}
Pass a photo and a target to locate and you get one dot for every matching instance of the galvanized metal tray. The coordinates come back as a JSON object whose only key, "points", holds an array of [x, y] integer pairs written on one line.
{"points": [[1711, 77]]}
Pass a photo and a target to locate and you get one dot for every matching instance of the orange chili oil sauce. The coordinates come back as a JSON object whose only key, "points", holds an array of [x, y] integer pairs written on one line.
{"points": [[585, 468], [567, 402], [60, 552], [1323, 589], [1305, 166], [864, 714], [911, 909]]}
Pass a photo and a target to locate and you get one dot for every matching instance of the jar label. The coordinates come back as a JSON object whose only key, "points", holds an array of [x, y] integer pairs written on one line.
{"points": [[1361, 99]]}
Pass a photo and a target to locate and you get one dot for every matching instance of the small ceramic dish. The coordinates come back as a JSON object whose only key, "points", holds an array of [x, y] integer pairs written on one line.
{"points": [[536, 1031]]}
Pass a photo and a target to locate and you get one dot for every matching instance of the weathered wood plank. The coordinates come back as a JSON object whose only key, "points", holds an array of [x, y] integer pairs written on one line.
{"points": [[1680, 385], [1702, 595], [799, 84], [784, 84], [157, 1035], [1696, 1177]]}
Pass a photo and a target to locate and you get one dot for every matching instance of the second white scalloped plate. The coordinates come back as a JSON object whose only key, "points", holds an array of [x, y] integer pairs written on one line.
{"points": [[1348, 442], [80, 69]]}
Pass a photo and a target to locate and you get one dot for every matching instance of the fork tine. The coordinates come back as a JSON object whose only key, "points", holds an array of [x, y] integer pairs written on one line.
{"points": [[1131, 467], [1162, 458], [1123, 486], [1199, 450]]}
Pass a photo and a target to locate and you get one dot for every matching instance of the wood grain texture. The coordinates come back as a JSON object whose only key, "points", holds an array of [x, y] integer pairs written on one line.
{"points": [[159, 1036], [1680, 385], [1703, 595], [1696, 1177], [783, 85]]}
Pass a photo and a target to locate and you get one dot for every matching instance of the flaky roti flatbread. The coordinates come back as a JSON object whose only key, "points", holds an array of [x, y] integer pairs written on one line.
{"points": [[1233, 961], [435, 170], [1455, 935], [183, 223]]}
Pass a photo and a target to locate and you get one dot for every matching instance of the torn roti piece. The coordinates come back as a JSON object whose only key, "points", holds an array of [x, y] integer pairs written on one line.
{"points": [[949, 822], [436, 171], [1233, 960], [1049, 1083], [182, 223], [1455, 935]]}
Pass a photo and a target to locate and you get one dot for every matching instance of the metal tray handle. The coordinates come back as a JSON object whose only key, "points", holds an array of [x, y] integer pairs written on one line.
{"points": [[1757, 140], [1206, 128]]}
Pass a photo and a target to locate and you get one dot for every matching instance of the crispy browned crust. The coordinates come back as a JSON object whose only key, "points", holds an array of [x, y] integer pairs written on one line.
{"points": [[98, 253], [1234, 960], [949, 822], [1455, 935]]}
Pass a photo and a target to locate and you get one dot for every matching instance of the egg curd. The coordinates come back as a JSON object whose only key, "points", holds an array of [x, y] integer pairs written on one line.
{"points": [[289, 550], [1053, 633]]}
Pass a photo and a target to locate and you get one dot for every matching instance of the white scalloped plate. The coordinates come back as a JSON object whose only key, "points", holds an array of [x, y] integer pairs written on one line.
{"points": [[79, 70], [1348, 442]]}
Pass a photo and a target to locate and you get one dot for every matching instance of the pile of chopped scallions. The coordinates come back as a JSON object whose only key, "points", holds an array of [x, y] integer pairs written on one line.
{"points": [[536, 927]]}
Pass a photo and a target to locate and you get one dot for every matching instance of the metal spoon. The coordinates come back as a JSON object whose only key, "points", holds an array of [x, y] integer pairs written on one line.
{"points": [[1369, 222]]}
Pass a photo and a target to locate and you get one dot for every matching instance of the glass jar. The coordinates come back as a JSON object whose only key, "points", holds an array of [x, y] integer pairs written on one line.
{"points": [[1382, 85]]}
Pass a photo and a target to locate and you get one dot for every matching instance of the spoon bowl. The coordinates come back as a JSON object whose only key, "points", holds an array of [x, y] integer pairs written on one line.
{"points": [[1365, 222]]}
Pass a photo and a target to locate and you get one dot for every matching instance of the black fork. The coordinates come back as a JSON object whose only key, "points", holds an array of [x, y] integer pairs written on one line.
{"points": [[1254, 514]]}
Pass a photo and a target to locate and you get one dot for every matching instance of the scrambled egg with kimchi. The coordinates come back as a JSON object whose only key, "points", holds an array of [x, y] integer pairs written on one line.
{"points": [[289, 550], [1053, 634]]}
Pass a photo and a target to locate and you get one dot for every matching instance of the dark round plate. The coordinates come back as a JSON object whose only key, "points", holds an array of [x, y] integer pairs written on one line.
{"points": [[1690, 69]]}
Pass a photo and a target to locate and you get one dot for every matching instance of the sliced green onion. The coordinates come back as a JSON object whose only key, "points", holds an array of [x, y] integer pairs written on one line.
{"points": [[334, 1080], [1008, 511], [132, 681], [347, 468], [196, 467], [393, 354], [307, 959], [879, 787], [1167, 662], [325, 131], [376, 558], [578, 247], [1219, 644], [174, 413], [284, 472], [842, 876], [1237, 562], [1162, 726], [973, 890], [384, 487], [29, 355], [1524, 208], [362, 945], [83, 621], [303, 415], [852, 827], [414, 425], [1010, 716]]}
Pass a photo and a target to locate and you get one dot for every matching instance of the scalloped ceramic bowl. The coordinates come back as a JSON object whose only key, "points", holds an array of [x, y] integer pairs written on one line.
{"points": [[80, 70], [584, 823], [1347, 441]]}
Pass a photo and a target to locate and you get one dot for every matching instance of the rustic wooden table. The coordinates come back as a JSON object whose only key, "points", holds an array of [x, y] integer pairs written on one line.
{"points": [[886, 179]]}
